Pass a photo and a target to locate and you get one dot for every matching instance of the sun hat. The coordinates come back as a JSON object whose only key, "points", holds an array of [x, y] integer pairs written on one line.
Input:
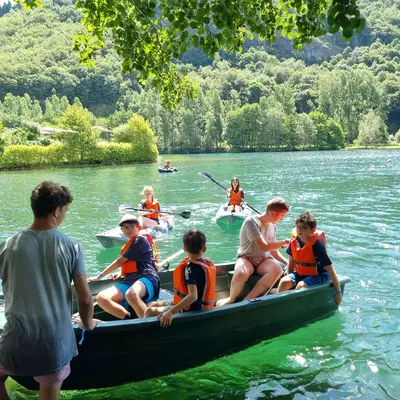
{"points": [[128, 217]]}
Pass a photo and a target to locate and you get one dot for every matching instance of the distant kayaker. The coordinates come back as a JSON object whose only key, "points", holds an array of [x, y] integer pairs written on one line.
{"points": [[167, 165], [194, 282], [309, 263], [149, 217], [258, 252], [37, 266], [141, 282], [235, 195]]}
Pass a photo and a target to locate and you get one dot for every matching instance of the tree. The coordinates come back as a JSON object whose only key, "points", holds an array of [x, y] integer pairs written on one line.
{"points": [[138, 132], [244, 127], [81, 138], [346, 95], [148, 34], [372, 130], [329, 134]]}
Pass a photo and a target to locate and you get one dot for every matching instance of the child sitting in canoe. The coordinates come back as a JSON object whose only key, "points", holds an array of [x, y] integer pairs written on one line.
{"points": [[309, 263], [194, 282], [141, 282], [235, 195], [149, 217]]}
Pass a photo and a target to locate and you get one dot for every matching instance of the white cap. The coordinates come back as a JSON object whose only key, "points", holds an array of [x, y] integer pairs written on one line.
{"points": [[128, 217]]}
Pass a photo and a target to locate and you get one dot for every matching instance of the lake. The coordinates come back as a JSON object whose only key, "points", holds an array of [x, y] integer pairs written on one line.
{"points": [[355, 197]]}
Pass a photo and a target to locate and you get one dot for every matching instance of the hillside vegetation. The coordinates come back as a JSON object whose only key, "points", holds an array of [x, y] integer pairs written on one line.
{"points": [[330, 95]]}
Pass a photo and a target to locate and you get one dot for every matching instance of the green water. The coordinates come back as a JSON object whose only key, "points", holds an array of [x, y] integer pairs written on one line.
{"points": [[355, 196]]}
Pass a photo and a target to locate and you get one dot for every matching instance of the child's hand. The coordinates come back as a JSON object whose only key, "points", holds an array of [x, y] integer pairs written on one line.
{"points": [[166, 319], [338, 298], [94, 278], [114, 276]]}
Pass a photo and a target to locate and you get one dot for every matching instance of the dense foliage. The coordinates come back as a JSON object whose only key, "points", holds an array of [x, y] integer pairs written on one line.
{"points": [[150, 35], [265, 98]]}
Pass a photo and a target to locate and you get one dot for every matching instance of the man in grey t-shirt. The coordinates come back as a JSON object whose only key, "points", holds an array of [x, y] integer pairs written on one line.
{"points": [[37, 267], [258, 252]]}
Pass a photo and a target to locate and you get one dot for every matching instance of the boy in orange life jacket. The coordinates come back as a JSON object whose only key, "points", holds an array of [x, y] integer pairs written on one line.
{"points": [[194, 282], [309, 263], [141, 281]]}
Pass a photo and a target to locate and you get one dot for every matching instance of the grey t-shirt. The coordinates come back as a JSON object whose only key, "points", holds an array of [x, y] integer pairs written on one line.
{"points": [[37, 270], [251, 230]]}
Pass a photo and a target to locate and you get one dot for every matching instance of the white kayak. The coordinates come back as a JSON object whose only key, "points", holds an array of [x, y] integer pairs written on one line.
{"points": [[115, 237], [226, 218]]}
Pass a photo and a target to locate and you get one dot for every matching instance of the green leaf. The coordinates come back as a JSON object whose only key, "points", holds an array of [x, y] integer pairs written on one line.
{"points": [[361, 25], [347, 34], [333, 28]]}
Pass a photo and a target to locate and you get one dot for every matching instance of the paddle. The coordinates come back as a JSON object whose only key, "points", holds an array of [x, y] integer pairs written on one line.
{"points": [[207, 175], [276, 280], [168, 259], [126, 207]]}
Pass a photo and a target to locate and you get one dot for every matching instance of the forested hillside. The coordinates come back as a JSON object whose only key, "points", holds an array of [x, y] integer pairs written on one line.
{"points": [[331, 94]]}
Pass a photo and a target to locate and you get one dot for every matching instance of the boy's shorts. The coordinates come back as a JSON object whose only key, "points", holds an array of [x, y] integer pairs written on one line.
{"points": [[123, 288], [309, 280], [52, 379]]}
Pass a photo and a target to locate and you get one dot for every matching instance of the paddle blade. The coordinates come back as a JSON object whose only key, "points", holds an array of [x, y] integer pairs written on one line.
{"points": [[123, 208], [206, 174], [185, 214]]}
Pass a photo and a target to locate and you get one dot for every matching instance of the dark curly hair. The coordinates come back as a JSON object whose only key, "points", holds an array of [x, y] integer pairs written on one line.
{"points": [[194, 241], [307, 219], [47, 196]]}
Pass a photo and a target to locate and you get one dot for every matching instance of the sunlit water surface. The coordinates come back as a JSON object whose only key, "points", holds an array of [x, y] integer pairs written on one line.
{"points": [[355, 196]]}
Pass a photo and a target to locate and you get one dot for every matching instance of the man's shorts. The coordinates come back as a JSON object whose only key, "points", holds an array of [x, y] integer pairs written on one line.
{"points": [[123, 288], [309, 280], [255, 262], [52, 379]]}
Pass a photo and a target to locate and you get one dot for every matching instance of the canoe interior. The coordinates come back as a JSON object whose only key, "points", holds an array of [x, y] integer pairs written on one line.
{"points": [[224, 276]]}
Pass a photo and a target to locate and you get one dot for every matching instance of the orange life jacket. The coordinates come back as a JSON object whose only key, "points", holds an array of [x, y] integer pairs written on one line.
{"points": [[181, 290], [152, 206], [235, 199], [130, 266], [303, 258]]}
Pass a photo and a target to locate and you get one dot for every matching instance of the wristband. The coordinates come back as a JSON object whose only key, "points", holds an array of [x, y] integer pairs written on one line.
{"points": [[338, 292], [100, 275]]}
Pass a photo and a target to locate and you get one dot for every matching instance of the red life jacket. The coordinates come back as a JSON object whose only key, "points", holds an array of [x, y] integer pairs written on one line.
{"points": [[151, 206], [303, 258], [130, 266], [235, 199], [181, 290]]}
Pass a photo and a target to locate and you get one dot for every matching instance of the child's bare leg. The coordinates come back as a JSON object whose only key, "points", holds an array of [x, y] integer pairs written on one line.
{"points": [[159, 303], [154, 311], [301, 285], [285, 284]]}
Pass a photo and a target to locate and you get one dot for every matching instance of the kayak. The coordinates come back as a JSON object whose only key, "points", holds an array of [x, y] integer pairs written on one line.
{"points": [[166, 170], [108, 355], [115, 237], [225, 218]]}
